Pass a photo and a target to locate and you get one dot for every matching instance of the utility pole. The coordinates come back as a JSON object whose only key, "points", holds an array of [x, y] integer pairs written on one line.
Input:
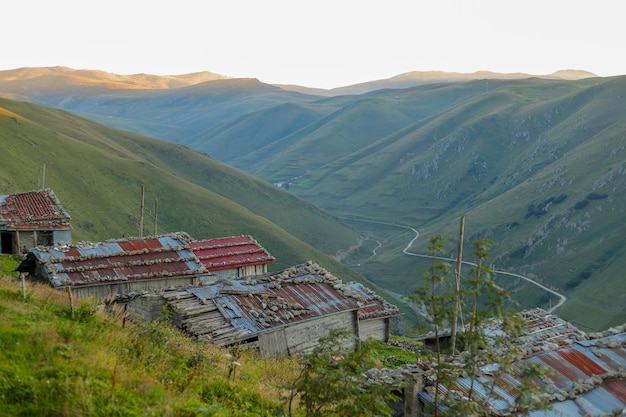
{"points": [[457, 293], [156, 211], [141, 212]]}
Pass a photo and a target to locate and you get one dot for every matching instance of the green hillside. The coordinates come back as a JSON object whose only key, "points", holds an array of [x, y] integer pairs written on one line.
{"points": [[97, 173], [535, 164], [537, 167], [96, 364]]}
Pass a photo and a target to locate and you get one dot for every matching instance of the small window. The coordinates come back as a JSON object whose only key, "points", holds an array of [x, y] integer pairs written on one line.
{"points": [[44, 238]]}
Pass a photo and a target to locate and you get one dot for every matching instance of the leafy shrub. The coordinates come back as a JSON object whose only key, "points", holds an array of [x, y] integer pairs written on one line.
{"points": [[560, 199], [596, 196], [519, 252], [581, 204], [332, 381], [539, 209]]}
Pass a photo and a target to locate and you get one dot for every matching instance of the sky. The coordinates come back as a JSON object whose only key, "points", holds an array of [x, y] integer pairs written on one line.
{"points": [[314, 43]]}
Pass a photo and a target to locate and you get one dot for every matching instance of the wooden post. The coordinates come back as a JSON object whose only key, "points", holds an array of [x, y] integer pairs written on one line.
{"points": [[156, 217], [141, 212], [23, 285], [69, 291], [124, 315], [457, 293], [413, 406]]}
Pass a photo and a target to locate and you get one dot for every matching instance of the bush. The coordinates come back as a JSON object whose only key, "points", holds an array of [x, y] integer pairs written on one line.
{"points": [[572, 283], [596, 196], [581, 204], [332, 381]]}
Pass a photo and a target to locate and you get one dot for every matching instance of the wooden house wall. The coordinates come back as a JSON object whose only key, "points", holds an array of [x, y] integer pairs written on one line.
{"points": [[61, 236], [376, 328], [251, 270], [103, 291], [298, 338], [245, 271], [221, 274]]}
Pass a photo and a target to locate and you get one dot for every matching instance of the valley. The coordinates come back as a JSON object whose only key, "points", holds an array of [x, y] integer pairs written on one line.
{"points": [[537, 165]]}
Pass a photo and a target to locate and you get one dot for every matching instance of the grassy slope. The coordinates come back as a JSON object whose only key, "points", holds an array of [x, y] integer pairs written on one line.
{"points": [[494, 158], [356, 122], [51, 364], [97, 173], [239, 136], [95, 364], [461, 154]]}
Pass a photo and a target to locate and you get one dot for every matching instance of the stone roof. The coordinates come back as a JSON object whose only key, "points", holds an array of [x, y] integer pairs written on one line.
{"points": [[229, 310], [33, 210]]}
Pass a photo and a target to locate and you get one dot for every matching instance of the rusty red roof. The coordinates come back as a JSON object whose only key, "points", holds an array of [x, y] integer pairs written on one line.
{"points": [[230, 252], [586, 373], [33, 210], [131, 259], [255, 304]]}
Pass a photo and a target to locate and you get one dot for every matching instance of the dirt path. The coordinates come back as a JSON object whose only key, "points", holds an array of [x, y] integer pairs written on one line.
{"points": [[562, 298]]}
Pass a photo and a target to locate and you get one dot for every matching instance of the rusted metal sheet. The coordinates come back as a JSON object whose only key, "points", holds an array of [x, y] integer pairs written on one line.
{"points": [[586, 374], [33, 210], [256, 305], [230, 252], [115, 261], [260, 307]]}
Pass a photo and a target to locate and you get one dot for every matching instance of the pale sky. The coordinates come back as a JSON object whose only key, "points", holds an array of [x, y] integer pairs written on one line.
{"points": [[315, 43]]}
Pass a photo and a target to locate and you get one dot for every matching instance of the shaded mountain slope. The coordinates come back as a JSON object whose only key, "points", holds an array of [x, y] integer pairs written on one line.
{"points": [[539, 168], [536, 164], [97, 173], [240, 136]]}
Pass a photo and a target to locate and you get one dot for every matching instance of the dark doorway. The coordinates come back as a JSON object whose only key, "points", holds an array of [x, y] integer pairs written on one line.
{"points": [[6, 241]]}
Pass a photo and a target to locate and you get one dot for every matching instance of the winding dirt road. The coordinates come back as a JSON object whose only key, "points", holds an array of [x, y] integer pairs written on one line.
{"points": [[562, 298]]}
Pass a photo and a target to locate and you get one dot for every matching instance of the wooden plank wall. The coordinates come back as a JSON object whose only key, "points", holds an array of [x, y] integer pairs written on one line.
{"points": [[103, 291], [303, 337], [376, 328]]}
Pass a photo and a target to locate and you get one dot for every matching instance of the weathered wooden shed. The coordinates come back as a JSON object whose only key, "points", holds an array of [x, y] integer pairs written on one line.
{"points": [[232, 257], [30, 219], [104, 269], [280, 314]]}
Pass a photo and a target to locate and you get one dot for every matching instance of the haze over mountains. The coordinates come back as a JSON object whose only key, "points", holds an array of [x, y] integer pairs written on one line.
{"points": [[537, 164]]}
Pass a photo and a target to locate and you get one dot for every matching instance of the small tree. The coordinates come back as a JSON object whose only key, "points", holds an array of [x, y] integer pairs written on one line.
{"points": [[332, 381], [460, 386]]}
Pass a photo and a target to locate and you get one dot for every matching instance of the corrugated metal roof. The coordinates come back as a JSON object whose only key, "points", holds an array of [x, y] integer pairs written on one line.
{"points": [[33, 210], [255, 304], [230, 252], [118, 260], [585, 377]]}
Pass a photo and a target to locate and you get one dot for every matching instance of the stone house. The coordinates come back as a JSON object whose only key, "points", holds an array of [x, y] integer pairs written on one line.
{"points": [[283, 313], [104, 269], [30, 219], [128, 265]]}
